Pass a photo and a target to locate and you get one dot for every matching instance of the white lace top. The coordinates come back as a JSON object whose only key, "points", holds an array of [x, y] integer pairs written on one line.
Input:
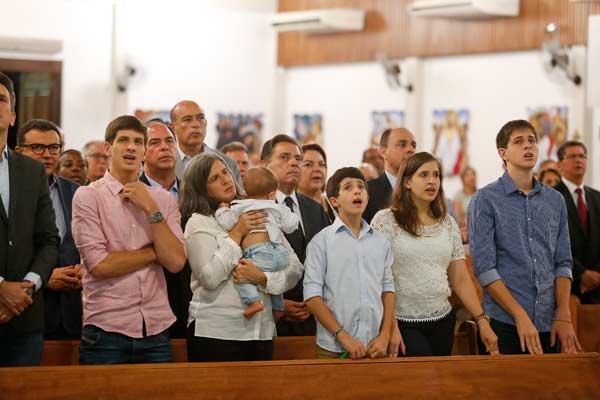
{"points": [[420, 266]]}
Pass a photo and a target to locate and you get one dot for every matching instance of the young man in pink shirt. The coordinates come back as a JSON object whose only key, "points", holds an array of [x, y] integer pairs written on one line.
{"points": [[126, 232]]}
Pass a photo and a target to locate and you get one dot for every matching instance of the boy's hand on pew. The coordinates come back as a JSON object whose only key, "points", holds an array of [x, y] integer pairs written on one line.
{"points": [[566, 334], [396, 342], [378, 347], [354, 348]]}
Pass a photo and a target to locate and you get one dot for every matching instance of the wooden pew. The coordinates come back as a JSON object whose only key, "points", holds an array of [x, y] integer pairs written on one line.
{"points": [[589, 327], [503, 377]]}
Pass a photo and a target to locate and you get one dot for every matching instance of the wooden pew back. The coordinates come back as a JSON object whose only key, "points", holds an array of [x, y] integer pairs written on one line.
{"points": [[503, 377]]}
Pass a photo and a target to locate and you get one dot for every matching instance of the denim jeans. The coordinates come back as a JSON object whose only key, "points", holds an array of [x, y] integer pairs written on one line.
{"points": [[98, 346], [20, 349], [268, 257]]}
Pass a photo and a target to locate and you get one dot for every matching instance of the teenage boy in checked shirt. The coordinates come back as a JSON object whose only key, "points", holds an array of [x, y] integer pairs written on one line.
{"points": [[521, 253], [348, 282]]}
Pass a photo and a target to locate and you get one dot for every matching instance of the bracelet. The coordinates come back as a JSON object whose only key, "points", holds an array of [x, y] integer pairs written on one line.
{"points": [[481, 316], [566, 321], [336, 333]]}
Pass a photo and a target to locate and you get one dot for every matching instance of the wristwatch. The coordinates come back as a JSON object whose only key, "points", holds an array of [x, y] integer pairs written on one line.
{"points": [[481, 316], [155, 217]]}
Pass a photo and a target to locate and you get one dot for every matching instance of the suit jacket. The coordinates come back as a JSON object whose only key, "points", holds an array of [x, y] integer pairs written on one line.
{"points": [[64, 307], [178, 289], [229, 161], [585, 250], [28, 235], [313, 220], [380, 191]]}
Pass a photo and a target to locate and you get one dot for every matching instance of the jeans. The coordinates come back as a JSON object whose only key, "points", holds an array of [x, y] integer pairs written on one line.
{"points": [[268, 257], [20, 349], [508, 339], [98, 346]]}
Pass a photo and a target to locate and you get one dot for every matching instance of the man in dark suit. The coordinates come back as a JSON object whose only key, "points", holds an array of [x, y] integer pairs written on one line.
{"points": [[28, 245], [188, 122], [159, 171], [283, 155], [396, 144], [41, 140], [583, 208]]}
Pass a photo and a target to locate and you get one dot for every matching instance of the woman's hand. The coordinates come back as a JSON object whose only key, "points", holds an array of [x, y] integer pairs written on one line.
{"points": [[396, 344], [488, 337], [247, 272], [247, 222]]}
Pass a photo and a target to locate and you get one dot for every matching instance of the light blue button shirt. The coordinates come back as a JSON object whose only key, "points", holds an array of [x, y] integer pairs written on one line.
{"points": [[350, 275], [4, 180], [391, 178], [174, 190]]}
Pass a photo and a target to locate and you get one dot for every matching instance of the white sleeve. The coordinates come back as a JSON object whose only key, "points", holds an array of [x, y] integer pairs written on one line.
{"points": [[226, 217], [288, 220], [279, 282]]}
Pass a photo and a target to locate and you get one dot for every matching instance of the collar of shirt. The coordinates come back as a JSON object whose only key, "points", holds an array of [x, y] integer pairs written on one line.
{"points": [[391, 178], [112, 183], [153, 183], [4, 153], [182, 156], [52, 184], [339, 225], [572, 187], [280, 196], [509, 185]]}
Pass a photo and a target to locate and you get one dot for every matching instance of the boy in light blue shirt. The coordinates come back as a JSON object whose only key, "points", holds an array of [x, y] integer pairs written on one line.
{"points": [[348, 283]]}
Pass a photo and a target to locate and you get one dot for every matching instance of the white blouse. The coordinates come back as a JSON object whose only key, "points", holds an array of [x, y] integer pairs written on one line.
{"points": [[420, 266], [216, 306]]}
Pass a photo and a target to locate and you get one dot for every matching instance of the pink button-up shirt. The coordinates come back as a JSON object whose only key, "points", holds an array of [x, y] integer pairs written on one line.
{"points": [[103, 222]]}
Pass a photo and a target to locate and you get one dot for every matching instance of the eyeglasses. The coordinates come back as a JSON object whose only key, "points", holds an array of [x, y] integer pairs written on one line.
{"points": [[98, 156], [38, 148], [575, 156]]}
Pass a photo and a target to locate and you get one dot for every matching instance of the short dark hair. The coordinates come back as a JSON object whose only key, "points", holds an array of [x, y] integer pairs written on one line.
{"points": [[385, 137], [8, 84], [315, 147], [503, 136], [333, 183], [37, 124], [267, 149], [549, 171], [233, 146], [65, 153], [124, 123], [562, 150]]}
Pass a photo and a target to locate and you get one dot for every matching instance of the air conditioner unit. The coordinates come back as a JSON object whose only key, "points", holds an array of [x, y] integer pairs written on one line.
{"points": [[328, 20], [464, 9], [30, 45]]}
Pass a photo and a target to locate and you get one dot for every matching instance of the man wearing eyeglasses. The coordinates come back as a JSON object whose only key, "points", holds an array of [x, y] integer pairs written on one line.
{"points": [[97, 160], [28, 245], [42, 140], [583, 207]]}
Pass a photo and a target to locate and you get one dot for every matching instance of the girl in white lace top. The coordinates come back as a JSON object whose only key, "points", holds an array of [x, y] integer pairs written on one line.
{"points": [[428, 257]]}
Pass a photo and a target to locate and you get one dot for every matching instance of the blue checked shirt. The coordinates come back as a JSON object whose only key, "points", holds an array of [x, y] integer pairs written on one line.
{"points": [[523, 241]]}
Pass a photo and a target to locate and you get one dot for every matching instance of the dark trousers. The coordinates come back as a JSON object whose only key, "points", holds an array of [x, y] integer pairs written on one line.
{"points": [[423, 339], [98, 346], [20, 349], [508, 340], [203, 349]]}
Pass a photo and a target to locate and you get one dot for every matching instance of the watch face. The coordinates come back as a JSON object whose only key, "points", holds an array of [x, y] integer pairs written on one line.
{"points": [[155, 217]]}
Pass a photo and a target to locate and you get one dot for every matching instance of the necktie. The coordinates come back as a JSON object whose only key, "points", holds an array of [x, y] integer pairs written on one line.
{"points": [[582, 210], [296, 238]]}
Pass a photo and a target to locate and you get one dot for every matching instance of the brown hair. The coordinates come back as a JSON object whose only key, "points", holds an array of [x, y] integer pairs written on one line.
{"points": [[333, 184], [401, 203], [267, 149], [8, 84], [562, 150], [260, 181], [124, 123]]}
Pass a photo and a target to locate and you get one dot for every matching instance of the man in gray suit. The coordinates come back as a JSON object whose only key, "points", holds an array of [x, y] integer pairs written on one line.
{"points": [[28, 245], [188, 121]]}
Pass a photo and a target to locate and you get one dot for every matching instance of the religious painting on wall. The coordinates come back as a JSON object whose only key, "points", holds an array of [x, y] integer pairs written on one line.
{"points": [[147, 115], [308, 128], [383, 120], [237, 127], [450, 139], [551, 125]]}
